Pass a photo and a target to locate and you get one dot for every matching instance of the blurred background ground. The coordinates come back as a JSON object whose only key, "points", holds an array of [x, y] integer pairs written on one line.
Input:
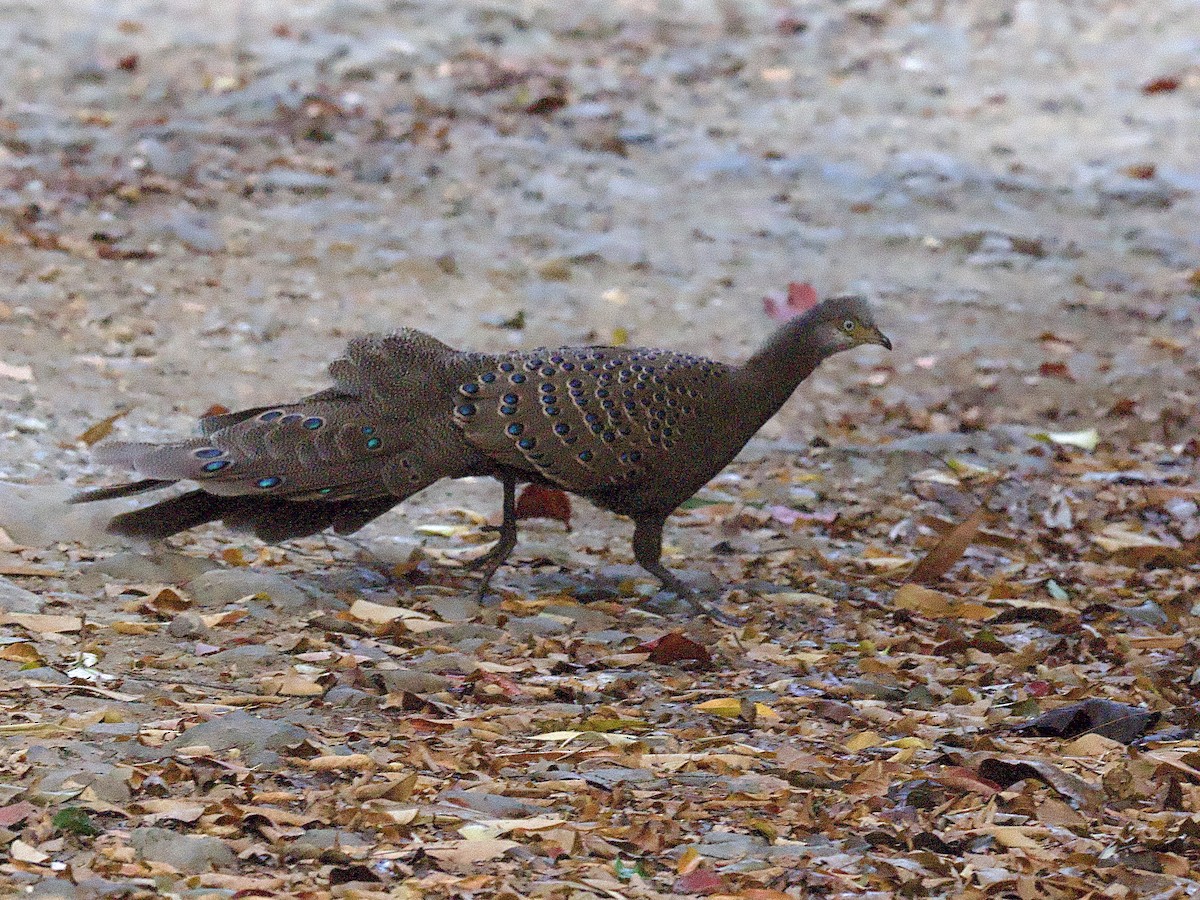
{"points": [[200, 203]]}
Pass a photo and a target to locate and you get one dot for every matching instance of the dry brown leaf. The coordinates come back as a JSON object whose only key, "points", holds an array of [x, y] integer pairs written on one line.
{"points": [[42, 624], [949, 550], [937, 605], [353, 762], [19, 568], [93, 434]]}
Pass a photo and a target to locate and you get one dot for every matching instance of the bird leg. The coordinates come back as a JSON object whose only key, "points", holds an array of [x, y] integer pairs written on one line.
{"points": [[495, 558], [647, 550]]}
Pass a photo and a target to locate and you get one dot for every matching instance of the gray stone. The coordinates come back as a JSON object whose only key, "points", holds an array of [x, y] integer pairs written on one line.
{"points": [[245, 658], [189, 853], [186, 625], [103, 730], [397, 680], [242, 730], [727, 845], [44, 673], [539, 626], [344, 696], [459, 663], [328, 838], [15, 598], [228, 585], [494, 805], [52, 887], [157, 568], [456, 634], [454, 609]]}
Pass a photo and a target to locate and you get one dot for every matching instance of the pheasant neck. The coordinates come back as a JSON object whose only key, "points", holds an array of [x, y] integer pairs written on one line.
{"points": [[771, 375]]}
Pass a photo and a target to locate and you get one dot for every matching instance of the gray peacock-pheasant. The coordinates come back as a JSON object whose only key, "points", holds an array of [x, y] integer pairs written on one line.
{"points": [[634, 430]]}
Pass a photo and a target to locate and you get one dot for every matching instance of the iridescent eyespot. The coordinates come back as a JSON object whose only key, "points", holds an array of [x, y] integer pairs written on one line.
{"points": [[268, 482], [515, 428], [586, 456], [374, 444], [207, 453], [561, 428], [507, 410], [487, 377], [216, 465], [312, 423], [328, 490], [551, 410], [469, 388], [518, 378], [506, 367], [290, 418], [467, 409], [368, 429], [510, 399], [526, 443], [270, 415]]}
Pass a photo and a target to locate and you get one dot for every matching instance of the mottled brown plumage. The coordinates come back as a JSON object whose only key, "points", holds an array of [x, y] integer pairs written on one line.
{"points": [[634, 430]]}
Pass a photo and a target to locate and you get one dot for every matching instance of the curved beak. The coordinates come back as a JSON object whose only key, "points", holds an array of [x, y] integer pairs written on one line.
{"points": [[882, 340]]}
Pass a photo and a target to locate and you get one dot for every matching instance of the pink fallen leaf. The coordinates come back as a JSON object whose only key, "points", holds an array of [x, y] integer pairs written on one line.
{"points": [[700, 881], [784, 515], [16, 813], [801, 297]]}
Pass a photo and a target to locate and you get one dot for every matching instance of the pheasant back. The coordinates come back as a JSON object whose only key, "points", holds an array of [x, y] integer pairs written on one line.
{"points": [[588, 420]]}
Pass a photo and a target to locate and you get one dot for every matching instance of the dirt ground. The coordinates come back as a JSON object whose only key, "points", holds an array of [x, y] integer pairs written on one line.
{"points": [[200, 204]]}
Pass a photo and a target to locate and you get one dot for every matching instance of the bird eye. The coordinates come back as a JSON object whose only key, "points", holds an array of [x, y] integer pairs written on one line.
{"points": [[848, 326]]}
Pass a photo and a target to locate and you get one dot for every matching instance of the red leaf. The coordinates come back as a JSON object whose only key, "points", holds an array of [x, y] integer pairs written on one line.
{"points": [[509, 687], [964, 779], [1039, 688], [672, 648], [215, 410], [699, 881], [15, 813], [801, 297], [1055, 370], [1164, 85], [537, 502]]}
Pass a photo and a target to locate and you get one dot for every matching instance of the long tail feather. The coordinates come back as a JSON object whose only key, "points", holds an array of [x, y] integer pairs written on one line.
{"points": [[272, 520], [120, 490]]}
